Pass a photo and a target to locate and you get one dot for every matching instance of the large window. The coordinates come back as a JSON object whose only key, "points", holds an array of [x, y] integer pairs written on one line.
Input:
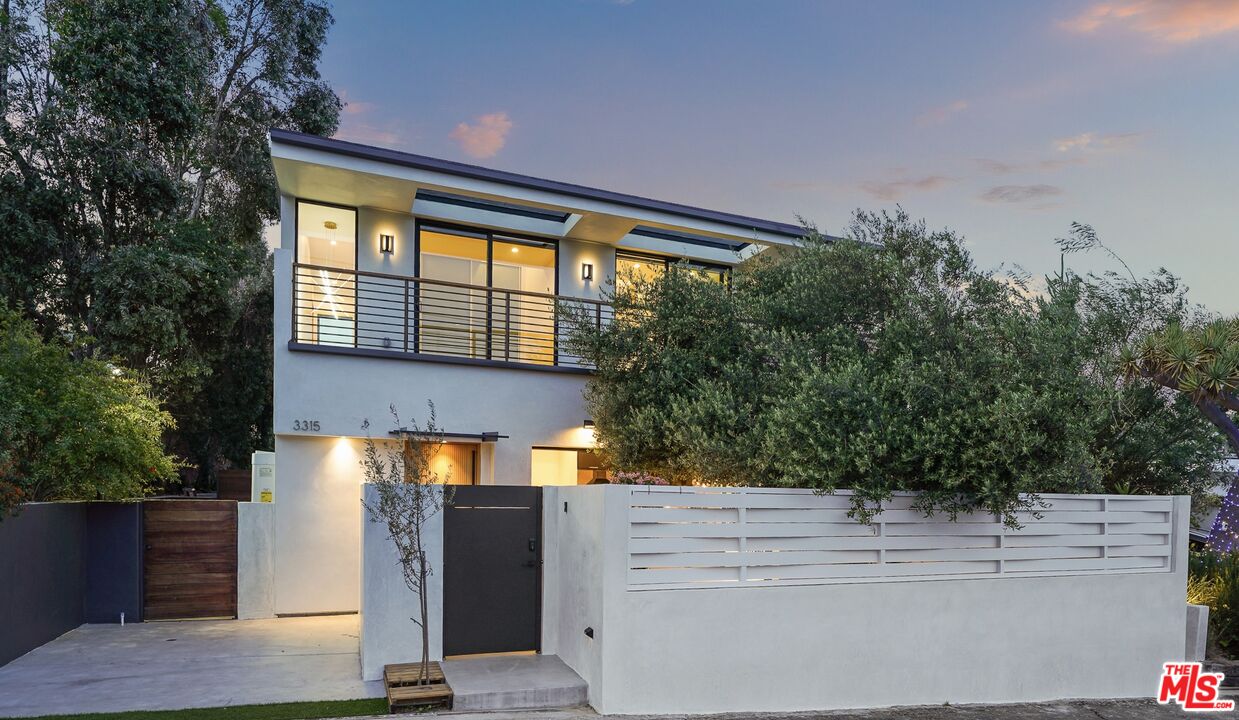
{"points": [[326, 289], [566, 466], [486, 295], [632, 267]]}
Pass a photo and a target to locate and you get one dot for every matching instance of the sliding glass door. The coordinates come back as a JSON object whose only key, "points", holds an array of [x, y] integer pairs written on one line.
{"points": [[486, 296], [523, 319]]}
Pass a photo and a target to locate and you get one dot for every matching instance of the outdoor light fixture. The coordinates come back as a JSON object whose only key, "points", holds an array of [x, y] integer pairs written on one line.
{"points": [[387, 244], [589, 423], [587, 271]]}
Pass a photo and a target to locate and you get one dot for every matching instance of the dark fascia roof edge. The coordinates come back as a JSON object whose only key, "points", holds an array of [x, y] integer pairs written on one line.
{"points": [[422, 162]]}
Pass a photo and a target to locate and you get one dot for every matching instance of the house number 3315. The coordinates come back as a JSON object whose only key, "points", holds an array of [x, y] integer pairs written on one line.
{"points": [[305, 425]]}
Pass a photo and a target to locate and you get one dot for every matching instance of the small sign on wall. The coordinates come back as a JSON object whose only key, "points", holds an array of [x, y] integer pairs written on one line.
{"points": [[263, 469]]}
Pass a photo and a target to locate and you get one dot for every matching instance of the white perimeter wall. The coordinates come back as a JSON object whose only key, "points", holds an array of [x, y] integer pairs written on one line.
{"points": [[850, 644], [572, 580], [255, 560], [387, 633]]}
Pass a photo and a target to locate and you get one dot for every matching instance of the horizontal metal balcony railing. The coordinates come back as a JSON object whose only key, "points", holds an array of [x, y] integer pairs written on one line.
{"points": [[346, 308]]}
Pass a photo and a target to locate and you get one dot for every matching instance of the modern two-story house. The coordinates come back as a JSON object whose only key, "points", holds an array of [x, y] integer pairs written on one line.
{"points": [[402, 279]]}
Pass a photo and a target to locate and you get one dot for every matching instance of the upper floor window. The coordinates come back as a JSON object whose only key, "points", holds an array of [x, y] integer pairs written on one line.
{"points": [[325, 299], [483, 295], [630, 267], [326, 235], [481, 258]]}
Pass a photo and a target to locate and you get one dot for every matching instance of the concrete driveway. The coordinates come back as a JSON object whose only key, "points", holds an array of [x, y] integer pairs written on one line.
{"points": [[1065, 710], [173, 665]]}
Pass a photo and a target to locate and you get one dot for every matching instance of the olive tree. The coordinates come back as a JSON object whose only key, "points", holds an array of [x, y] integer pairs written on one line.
{"points": [[882, 362], [408, 493]]}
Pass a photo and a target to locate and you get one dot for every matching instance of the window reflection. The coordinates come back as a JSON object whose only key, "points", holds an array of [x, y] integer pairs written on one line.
{"points": [[326, 289], [632, 269], [460, 316]]}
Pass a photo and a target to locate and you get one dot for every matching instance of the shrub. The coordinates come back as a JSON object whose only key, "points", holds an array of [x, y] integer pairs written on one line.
{"points": [[887, 362], [1213, 580], [73, 429]]}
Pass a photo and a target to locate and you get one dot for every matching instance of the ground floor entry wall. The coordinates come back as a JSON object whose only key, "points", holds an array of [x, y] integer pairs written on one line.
{"points": [[317, 525]]}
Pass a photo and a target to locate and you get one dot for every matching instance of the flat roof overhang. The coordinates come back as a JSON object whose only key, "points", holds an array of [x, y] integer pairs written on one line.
{"points": [[314, 167], [447, 437]]}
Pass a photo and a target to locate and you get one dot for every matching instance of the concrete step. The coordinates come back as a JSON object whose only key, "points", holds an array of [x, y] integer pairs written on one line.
{"points": [[512, 682]]}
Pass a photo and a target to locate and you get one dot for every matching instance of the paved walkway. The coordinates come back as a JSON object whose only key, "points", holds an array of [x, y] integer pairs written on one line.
{"points": [[1078, 710], [174, 665]]}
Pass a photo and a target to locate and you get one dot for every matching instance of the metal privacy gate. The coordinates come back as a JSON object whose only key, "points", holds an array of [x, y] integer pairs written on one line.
{"points": [[189, 566], [492, 570]]}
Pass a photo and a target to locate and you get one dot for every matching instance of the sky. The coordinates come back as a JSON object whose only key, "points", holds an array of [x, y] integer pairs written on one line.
{"points": [[1003, 121]]}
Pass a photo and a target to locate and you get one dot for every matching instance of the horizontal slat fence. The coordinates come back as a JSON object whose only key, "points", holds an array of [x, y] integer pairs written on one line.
{"points": [[689, 537]]}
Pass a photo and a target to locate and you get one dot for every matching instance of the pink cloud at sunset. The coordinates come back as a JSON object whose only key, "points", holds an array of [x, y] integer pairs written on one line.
{"points": [[485, 137], [1172, 21]]}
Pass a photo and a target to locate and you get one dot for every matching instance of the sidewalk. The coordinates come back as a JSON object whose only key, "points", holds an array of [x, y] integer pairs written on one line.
{"points": [[1074, 710]]}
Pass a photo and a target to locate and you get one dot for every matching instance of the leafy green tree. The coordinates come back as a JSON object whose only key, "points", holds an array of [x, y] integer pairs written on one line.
{"points": [[1201, 362], [880, 363], [135, 183], [1159, 437], [73, 429]]}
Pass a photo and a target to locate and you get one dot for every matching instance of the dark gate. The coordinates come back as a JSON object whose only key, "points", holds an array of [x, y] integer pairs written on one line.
{"points": [[190, 559], [492, 570]]}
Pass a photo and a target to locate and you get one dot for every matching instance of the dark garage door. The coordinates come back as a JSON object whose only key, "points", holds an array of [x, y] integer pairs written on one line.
{"points": [[492, 570]]}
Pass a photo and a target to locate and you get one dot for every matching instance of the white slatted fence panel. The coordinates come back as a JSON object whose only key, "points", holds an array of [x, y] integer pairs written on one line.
{"points": [[744, 537]]}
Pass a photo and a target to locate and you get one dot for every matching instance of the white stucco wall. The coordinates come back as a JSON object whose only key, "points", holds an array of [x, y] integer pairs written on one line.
{"points": [[531, 407], [572, 253], [255, 560], [572, 580], [317, 525], [318, 533], [858, 644], [387, 633]]}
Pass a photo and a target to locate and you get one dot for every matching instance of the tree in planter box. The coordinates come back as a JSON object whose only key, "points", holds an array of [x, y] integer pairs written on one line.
{"points": [[409, 493]]}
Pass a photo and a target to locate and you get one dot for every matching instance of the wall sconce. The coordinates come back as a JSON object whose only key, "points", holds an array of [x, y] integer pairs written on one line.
{"points": [[587, 271], [387, 244], [589, 423]]}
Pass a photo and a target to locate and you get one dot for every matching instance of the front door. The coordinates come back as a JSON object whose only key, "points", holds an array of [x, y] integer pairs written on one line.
{"points": [[492, 570]]}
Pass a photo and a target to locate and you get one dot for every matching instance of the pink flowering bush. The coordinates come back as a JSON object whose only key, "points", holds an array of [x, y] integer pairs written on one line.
{"points": [[639, 477]]}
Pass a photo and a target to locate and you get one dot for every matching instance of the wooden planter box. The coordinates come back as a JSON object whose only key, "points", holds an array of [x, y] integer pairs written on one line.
{"points": [[404, 692]]}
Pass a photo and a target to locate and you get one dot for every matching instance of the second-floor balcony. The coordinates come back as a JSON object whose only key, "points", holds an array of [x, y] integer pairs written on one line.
{"points": [[435, 318]]}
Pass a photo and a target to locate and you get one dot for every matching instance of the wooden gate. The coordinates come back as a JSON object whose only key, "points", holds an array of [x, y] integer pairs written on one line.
{"points": [[190, 559]]}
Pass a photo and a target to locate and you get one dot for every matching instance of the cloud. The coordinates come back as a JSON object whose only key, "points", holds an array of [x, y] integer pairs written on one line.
{"points": [[997, 167], [1170, 21], [1091, 141], [355, 125], [1002, 167], [939, 115], [1020, 193], [485, 137], [895, 189], [353, 107]]}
